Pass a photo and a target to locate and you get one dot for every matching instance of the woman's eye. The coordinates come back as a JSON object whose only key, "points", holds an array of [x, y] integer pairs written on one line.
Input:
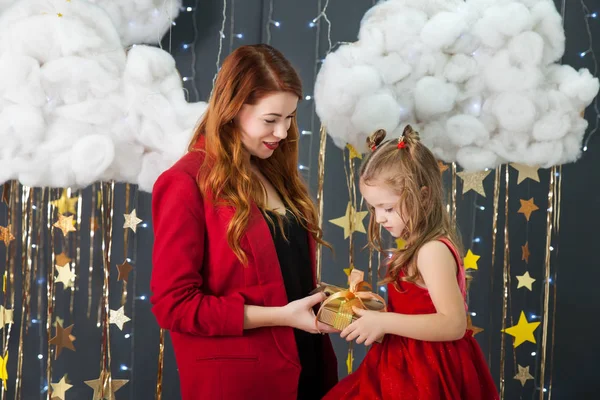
{"points": [[269, 121], [389, 210]]}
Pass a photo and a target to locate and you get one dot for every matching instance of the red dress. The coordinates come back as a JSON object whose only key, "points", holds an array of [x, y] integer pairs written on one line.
{"points": [[409, 369]]}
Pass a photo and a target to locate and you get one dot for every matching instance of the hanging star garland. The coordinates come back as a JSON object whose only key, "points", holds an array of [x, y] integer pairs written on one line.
{"points": [[62, 339], [526, 171], [527, 207], [131, 221], [353, 153], [65, 204], [59, 389], [6, 235], [101, 387], [471, 327], [470, 260], [65, 224], [400, 243], [124, 270], [525, 281], [523, 376], [65, 276], [443, 167], [523, 331], [62, 259], [474, 181], [350, 361], [525, 252], [3, 370], [6, 317], [344, 222], [118, 317]]}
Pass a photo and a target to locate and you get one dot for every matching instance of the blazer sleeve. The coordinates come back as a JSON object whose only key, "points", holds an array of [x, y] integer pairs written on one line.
{"points": [[179, 304]]}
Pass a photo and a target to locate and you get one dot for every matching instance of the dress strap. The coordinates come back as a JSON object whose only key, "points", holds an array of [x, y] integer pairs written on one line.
{"points": [[460, 274]]}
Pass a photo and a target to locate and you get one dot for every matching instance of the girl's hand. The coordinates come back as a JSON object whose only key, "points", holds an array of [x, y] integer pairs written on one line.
{"points": [[368, 328]]}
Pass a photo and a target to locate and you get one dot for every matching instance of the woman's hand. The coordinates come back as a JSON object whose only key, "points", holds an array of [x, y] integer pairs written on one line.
{"points": [[368, 328], [299, 314]]}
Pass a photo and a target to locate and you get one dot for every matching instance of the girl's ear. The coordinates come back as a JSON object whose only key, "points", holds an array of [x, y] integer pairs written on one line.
{"points": [[425, 192]]}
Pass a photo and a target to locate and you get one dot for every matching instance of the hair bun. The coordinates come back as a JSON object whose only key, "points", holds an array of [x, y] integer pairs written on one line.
{"points": [[410, 135], [376, 138]]}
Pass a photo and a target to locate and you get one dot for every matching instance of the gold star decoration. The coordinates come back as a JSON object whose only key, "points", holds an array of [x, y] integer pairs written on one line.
{"points": [[525, 280], [344, 222], [59, 15], [523, 331], [118, 317], [471, 327], [65, 276], [6, 317], [65, 224], [131, 221], [525, 252], [59, 389], [473, 181], [400, 243], [62, 259], [470, 260], [124, 270], [350, 361], [348, 270], [353, 152], [523, 376], [3, 371], [65, 204], [6, 235], [101, 388], [443, 167], [527, 207], [526, 171], [62, 339]]}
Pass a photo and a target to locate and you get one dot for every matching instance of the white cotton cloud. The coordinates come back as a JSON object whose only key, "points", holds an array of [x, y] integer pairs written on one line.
{"points": [[479, 78], [141, 21], [76, 108]]}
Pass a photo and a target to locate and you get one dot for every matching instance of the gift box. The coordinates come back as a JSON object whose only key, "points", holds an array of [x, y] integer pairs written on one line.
{"points": [[336, 310]]}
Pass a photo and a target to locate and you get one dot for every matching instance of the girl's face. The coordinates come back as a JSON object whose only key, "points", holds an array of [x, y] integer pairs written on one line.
{"points": [[266, 123], [384, 203]]}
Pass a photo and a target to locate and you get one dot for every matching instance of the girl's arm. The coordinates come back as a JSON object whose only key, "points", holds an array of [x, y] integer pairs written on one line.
{"points": [[438, 269]]}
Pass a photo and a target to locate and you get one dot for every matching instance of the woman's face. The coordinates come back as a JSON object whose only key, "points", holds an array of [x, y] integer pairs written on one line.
{"points": [[266, 123]]}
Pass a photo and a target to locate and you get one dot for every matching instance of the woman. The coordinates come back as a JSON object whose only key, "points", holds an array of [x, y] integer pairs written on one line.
{"points": [[235, 232]]}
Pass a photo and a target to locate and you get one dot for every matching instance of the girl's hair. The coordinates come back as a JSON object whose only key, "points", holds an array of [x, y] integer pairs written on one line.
{"points": [[247, 75], [408, 168]]}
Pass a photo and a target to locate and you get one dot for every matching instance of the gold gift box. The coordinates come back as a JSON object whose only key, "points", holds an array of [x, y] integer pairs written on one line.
{"points": [[336, 310]]}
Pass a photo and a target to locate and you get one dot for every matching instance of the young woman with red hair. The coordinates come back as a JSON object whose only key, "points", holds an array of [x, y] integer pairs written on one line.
{"points": [[235, 232]]}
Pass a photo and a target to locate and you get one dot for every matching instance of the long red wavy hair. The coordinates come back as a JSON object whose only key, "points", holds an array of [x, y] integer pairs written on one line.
{"points": [[247, 75]]}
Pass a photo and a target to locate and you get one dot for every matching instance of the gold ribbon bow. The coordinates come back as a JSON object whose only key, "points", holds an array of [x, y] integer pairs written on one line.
{"points": [[356, 295]]}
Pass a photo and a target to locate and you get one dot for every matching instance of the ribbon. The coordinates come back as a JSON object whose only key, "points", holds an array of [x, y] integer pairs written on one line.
{"points": [[358, 290]]}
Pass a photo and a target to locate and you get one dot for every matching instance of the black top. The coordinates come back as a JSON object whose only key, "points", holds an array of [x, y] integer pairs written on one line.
{"points": [[295, 261]]}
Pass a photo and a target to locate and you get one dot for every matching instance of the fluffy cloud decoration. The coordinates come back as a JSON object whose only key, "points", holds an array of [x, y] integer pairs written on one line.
{"points": [[478, 78], [76, 108], [141, 21]]}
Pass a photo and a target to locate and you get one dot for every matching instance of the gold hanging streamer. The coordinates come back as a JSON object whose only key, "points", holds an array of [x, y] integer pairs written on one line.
{"points": [[159, 374], [106, 211], [549, 220], [557, 198], [38, 261], [125, 243], [454, 194], [77, 262], [93, 226], [505, 279], [497, 182], [321, 178], [26, 276], [50, 290]]}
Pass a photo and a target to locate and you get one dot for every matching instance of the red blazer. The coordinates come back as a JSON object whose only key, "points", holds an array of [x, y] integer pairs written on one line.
{"points": [[199, 291]]}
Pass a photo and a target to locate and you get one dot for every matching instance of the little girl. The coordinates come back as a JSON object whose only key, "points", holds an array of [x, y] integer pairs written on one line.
{"points": [[426, 353]]}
